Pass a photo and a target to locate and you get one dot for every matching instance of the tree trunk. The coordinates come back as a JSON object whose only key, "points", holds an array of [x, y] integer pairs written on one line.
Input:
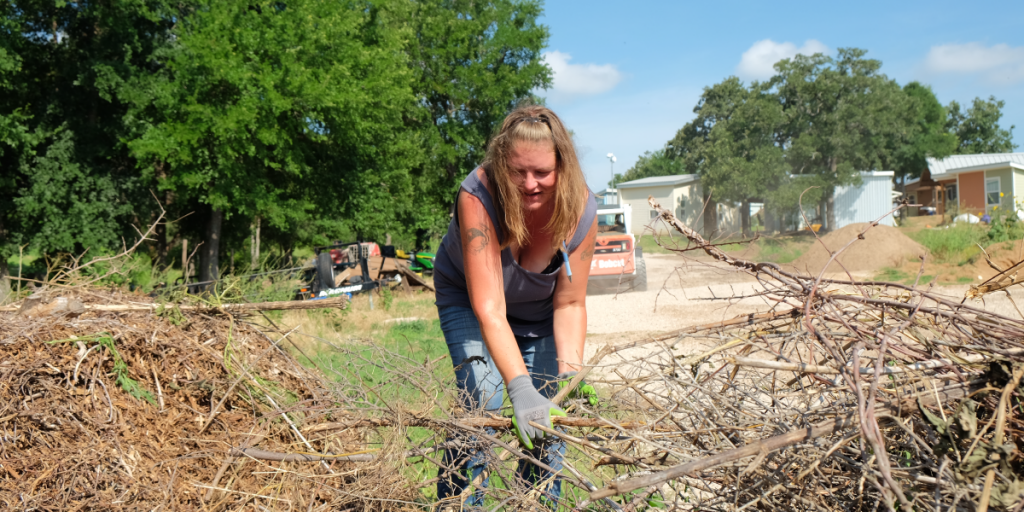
{"points": [[254, 245], [710, 217], [829, 201], [5, 280], [830, 208], [210, 253], [769, 222], [161, 244], [745, 218], [184, 261]]}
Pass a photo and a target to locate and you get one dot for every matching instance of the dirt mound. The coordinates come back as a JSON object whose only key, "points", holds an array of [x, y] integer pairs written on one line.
{"points": [[1003, 255], [883, 246], [112, 411]]}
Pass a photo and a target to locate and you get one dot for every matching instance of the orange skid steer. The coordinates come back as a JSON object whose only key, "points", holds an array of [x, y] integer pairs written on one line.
{"points": [[618, 262]]}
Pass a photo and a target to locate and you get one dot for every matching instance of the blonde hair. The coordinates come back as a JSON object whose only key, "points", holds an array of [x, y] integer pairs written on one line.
{"points": [[535, 124]]}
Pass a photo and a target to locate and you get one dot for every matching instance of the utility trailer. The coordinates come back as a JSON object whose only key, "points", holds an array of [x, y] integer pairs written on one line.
{"points": [[350, 268], [334, 264], [618, 262]]}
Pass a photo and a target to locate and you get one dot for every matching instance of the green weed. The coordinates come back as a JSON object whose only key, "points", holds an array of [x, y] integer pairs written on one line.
{"points": [[893, 275], [956, 244], [387, 297], [776, 250], [129, 385]]}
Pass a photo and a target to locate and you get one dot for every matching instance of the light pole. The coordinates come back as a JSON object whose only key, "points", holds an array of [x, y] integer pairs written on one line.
{"points": [[611, 158]]}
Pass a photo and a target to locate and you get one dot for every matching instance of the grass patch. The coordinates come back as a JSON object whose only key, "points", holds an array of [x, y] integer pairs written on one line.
{"points": [[649, 244], [780, 250], [891, 275], [894, 275], [964, 280], [957, 244]]}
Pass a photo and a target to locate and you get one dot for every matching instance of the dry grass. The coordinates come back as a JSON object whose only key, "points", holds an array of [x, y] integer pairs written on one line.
{"points": [[358, 322]]}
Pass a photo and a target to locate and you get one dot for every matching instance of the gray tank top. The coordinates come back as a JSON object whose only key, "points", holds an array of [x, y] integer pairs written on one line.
{"points": [[529, 296]]}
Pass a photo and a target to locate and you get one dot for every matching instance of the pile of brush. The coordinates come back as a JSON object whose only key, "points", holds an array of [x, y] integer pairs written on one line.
{"points": [[111, 401]]}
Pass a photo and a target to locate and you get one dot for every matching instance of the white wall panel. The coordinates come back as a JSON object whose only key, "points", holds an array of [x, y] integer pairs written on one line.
{"points": [[867, 202]]}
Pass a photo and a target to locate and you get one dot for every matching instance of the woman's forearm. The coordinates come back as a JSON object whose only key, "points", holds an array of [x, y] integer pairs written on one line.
{"points": [[570, 336], [502, 345]]}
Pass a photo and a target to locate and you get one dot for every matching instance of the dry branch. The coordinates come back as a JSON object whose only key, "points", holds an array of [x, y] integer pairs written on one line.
{"points": [[340, 302]]}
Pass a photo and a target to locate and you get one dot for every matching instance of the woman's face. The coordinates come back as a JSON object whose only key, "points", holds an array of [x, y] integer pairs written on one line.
{"points": [[533, 166]]}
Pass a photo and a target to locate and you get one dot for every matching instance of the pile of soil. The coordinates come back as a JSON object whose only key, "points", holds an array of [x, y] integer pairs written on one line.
{"points": [[882, 247], [108, 411], [1003, 255]]}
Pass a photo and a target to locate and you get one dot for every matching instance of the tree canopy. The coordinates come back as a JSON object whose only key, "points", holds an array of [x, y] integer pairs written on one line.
{"points": [[314, 120], [977, 129], [816, 125]]}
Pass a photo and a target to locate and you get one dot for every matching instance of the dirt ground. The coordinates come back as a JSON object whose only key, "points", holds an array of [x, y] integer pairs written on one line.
{"points": [[678, 294], [679, 289]]}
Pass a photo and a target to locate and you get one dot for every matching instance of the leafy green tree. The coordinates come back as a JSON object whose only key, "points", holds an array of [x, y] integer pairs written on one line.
{"points": [[842, 116], [658, 163], [287, 111], [472, 63], [733, 144], [13, 136], [69, 183], [928, 135], [977, 129]]}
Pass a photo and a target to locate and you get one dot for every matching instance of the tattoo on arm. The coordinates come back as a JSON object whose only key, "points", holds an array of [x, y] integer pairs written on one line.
{"points": [[478, 239], [588, 251]]}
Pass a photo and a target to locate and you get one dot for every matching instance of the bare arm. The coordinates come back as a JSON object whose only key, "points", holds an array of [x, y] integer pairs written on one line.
{"points": [[482, 257], [571, 306]]}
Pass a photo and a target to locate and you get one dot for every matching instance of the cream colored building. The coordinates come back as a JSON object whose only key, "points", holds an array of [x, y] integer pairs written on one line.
{"points": [[682, 193]]}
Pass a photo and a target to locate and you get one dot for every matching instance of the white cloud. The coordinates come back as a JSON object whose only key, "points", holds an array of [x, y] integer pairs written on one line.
{"points": [[758, 62], [572, 80], [1000, 63]]}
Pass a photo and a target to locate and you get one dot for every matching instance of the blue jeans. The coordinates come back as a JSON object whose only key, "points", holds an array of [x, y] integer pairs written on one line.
{"points": [[480, 386]]}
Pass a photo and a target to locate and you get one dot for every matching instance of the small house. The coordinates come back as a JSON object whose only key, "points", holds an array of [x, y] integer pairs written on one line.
{"points": [[976, 184], [861, 203], [681, 193]]}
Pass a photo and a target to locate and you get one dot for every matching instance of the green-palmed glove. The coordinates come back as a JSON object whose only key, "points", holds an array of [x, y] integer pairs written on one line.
{"points": [[529, 405], [583, 390]]}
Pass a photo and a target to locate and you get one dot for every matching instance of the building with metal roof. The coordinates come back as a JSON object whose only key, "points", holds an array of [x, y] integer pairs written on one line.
{"points": [[989, 183], [966, 163], [661, 181]]}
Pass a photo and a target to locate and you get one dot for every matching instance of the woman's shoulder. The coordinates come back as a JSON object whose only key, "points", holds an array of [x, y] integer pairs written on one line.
{"points": [[476, 183]]}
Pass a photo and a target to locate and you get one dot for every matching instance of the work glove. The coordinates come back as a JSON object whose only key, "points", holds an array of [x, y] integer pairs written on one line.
{"points": [[529, 405], [583, 390]]}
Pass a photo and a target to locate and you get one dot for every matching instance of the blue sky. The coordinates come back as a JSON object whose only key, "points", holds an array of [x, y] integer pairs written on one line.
{"points": [[628, 74]]}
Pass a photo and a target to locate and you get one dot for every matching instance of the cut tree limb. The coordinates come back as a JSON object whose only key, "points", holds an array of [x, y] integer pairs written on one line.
{"points": [[497, 423], [328, 303]]}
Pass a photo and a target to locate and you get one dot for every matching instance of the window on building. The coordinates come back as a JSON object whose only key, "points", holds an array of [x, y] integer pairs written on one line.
{"points": [[654, 214], [950, 192], [912, 199], [992, 191]]}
